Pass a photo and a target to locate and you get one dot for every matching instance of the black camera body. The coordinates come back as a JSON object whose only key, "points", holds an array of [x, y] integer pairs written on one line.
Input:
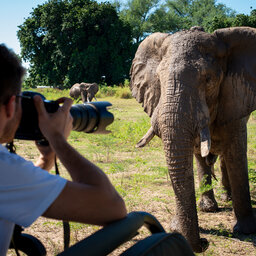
{"points": [[91, 117]]}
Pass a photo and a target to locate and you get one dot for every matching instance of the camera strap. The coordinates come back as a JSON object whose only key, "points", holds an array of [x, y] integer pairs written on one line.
{"points": [[66, 226], [12, 149]]}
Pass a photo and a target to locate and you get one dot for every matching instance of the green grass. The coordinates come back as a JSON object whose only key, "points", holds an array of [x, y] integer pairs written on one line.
{"points": [[141, 176]]}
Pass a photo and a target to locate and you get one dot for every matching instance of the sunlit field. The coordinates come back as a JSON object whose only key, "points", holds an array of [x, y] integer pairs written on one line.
{"points": [[141, 177]]}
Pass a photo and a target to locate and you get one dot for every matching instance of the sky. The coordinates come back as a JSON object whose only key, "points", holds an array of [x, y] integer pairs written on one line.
{"points": [[14, 12]]}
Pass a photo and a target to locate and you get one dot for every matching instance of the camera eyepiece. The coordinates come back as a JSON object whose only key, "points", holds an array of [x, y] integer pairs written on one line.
{"points": [[90, 117]]}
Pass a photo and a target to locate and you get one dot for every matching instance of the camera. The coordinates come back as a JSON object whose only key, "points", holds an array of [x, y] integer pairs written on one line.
{"points": [[91, 117]]}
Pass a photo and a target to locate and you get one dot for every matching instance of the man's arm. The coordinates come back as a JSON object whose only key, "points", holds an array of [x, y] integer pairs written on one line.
{"points": [[90, 198], [46, 158]]}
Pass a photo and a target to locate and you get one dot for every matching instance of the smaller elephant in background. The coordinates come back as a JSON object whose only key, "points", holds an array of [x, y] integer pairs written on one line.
{"points": [[86, 91]]}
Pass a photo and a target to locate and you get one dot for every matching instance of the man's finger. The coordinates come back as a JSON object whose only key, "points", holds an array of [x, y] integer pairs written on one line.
{"points": [[62, 99], [39, 105], [67, 103]]}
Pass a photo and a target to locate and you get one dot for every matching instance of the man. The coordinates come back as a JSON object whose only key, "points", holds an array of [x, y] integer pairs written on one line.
{"points": [[27, 191]]}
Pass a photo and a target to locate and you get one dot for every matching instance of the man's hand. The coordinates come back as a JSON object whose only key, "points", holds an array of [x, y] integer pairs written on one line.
{"points": [[58, 124]]}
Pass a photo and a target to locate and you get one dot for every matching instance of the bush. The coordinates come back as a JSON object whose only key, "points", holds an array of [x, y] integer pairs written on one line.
{"points": [[105, 91], [123, 93]]}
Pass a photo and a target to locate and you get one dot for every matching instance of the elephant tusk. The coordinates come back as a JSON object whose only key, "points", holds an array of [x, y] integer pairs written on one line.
{"points": [[146, 138], [205, 141]]}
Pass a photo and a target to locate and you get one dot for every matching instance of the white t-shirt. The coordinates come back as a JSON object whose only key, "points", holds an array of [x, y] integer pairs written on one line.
{"points": [[26, 191]]}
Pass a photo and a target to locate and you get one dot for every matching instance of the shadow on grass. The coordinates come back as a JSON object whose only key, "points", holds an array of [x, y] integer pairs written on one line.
{"points": [[226, 233], [225, 209], [222, 231]]}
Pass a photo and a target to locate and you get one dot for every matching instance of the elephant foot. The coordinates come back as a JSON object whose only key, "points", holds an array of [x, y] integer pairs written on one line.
{"points": [[198, 245], [208, 203], [201, 246], [246, 226]]}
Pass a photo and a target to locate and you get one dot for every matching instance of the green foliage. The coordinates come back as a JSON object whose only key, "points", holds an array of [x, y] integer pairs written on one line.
{"points": [[49, 93], [236, 21], [164, 20], [106, 91], [252, 175], [197, 12], [138, 14], [129, 131], [148, 16], [220, 22], [69, 41], [203, 186], [122, 91]]}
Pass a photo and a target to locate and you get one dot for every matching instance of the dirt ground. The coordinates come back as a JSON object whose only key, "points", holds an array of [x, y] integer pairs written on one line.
{"points": [[216, 227]]}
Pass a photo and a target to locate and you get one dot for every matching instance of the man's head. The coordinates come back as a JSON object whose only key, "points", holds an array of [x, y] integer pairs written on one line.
{"points": [[11, 74]]}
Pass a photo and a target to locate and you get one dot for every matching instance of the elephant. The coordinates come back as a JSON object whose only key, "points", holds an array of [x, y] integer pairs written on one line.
{"points": [[199, 89], [206, 172], [86, 90]]}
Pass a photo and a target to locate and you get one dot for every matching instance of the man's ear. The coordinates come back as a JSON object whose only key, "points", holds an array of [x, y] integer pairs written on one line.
{"points": [[10, 107]]}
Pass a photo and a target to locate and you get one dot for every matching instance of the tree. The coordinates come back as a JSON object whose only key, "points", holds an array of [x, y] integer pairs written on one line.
{"points": [[148, 16], [237, 21], [69, 41], [137, 13], [197, 12]]}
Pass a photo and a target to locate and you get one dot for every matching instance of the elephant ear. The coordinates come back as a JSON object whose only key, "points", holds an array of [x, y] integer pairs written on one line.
{"points": [[238, 89], [144, 83], [83, 86], [95, 87]]}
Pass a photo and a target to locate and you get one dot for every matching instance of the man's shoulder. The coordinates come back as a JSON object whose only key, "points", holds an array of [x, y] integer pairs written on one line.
{"points": [[10, 158], [15, 170]]}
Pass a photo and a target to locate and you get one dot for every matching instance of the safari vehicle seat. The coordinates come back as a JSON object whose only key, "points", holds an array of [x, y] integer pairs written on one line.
{"points": [[107, 239]]}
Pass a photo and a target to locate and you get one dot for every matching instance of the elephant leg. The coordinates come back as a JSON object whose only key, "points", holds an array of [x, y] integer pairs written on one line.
{"points": [[84, 96], [207, 202], [89, 96], [211, 159], [235, 157], [226, 196]]}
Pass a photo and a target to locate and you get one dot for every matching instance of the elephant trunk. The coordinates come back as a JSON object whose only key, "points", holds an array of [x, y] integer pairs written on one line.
{"points": [[178, 132], [179, 155]]}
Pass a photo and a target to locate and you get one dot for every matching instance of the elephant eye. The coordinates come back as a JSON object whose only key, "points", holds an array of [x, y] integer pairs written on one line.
{"points": [[207, 80]]}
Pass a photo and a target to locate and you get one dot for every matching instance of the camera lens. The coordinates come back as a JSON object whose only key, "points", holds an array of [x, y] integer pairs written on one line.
{"points": [[91, 117]]}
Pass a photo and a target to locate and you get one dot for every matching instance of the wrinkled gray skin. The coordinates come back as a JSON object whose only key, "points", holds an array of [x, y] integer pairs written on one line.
{"points": [[86, 91], [205, 168], [199, 90]]}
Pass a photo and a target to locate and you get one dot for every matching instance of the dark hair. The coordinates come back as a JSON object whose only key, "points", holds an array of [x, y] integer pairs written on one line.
{"points": [[11, 74]]}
